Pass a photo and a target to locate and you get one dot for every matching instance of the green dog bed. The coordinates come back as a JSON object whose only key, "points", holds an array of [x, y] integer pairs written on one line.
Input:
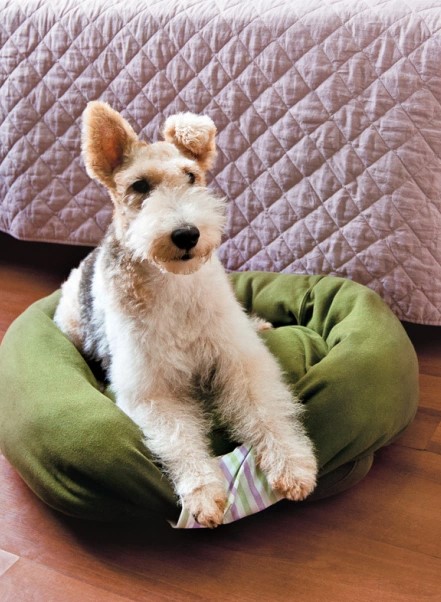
{"points": [[342, 350]]}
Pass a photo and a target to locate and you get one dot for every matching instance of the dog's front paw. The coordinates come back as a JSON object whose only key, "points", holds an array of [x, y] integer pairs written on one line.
{"points": [[207, 505], [296, 482], [296, 477]]}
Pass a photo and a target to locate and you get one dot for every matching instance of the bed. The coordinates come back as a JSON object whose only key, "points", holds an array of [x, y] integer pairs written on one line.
{"points": [[328, 116]]}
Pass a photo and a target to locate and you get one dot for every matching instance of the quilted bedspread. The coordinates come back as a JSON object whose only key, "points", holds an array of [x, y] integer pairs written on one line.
{"points": [[328, 115]]}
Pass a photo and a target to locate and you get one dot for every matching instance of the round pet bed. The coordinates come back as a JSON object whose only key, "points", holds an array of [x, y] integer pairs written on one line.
{"points": [[344, 352]]}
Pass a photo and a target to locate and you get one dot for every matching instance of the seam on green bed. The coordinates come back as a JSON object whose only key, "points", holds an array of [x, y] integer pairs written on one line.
{"points": [[307, 296]]}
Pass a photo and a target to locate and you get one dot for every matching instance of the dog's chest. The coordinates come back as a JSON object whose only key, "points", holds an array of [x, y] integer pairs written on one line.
{"points": [[181, 320], [177, 317], [170, 332]]}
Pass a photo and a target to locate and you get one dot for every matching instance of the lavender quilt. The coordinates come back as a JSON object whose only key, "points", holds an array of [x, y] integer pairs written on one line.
{"points": [[328, 113]]}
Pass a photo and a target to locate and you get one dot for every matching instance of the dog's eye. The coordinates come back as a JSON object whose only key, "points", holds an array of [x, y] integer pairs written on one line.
{"points": [[191, 177], [142, 186]]}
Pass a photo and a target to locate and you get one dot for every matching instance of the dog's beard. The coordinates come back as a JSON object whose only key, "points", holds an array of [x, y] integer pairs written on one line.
{"points": [[181, 266], [168, 258]]}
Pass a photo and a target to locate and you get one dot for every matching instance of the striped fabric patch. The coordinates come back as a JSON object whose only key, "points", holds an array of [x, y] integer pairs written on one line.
{"points": [[248, 489]]}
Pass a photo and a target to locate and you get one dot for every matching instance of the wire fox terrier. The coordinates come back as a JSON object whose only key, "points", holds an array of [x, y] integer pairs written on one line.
{"points": [[153, 304]]}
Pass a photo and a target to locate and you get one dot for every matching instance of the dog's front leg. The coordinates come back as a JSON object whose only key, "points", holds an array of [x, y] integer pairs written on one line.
{"points": [[262, 412], [175, 432]]}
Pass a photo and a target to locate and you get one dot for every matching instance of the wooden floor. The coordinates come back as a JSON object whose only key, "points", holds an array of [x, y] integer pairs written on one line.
{"points": [[379, 542]]}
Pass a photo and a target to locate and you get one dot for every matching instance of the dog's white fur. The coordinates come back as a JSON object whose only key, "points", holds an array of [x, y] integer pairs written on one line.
{"points": [[165, 321]]}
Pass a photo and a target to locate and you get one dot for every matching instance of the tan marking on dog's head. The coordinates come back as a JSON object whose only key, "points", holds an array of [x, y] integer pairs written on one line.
{"points": [[194, 135], [111, 148], [107, 141], [152, 165], [156, 164]]}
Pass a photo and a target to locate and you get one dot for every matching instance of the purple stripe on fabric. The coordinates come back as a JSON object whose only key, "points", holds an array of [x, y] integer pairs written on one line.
{"points": [[240, 454], [256, 495], [234, 512], [243, 449], [227, 474]]}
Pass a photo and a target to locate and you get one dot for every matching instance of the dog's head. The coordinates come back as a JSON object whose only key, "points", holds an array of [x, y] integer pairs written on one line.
{"points": [[163, 211]]}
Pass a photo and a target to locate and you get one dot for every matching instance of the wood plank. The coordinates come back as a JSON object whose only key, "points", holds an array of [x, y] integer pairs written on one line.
{"points": [[435, 441], [430, 394], [19, 295], [6, 561], [28, 581], [419, 434], [427, 342], [397, 503]]}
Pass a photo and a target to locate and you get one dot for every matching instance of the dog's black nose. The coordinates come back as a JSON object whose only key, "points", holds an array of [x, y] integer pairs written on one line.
{"points": [[186, 237]]}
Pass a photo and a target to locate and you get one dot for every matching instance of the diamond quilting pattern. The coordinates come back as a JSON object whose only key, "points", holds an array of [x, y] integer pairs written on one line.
{"points": [[328, 116]]}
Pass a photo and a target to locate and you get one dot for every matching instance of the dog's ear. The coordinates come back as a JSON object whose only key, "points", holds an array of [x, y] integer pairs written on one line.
{"points": [[194, 136], [107, 139]]}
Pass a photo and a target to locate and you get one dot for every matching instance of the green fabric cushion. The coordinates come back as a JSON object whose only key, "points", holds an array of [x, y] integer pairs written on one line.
{"points": [[342, 349]]}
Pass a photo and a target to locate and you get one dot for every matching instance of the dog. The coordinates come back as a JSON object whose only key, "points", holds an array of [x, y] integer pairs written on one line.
{"points": [[154, 306]]}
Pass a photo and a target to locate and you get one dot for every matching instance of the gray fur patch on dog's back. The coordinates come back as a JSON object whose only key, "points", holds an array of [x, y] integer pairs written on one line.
{"points": [[92, 334], [86, 297]]}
